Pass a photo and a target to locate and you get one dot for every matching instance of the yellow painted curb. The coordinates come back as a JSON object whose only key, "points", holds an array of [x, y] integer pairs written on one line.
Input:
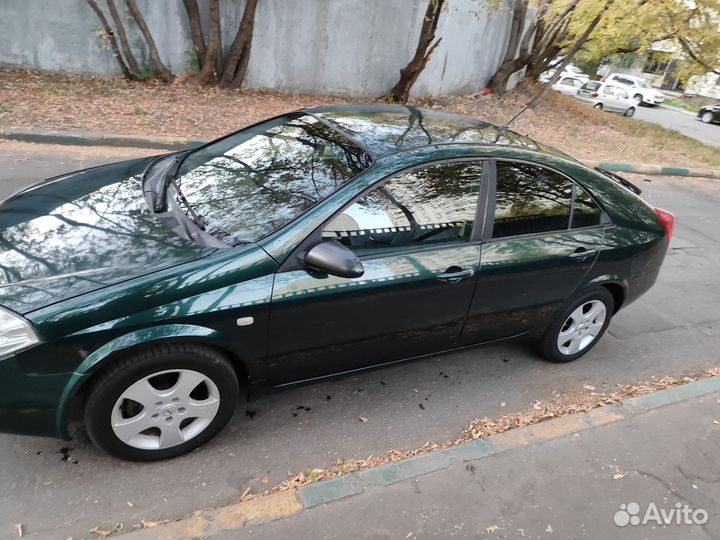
{"points": [[208, 522], [534, 433]]}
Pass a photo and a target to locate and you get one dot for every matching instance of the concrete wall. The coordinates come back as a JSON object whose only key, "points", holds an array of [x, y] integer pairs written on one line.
{"points": [[345, 47]]}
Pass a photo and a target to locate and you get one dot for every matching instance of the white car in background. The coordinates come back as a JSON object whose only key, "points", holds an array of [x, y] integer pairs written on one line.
{"points": [[607, 97], [640, 91], [570, 71], [568, 85]]}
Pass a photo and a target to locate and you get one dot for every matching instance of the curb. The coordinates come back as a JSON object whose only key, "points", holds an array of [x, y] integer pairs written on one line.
{"points": [[284, 504], [656, 170], [96, 138]]}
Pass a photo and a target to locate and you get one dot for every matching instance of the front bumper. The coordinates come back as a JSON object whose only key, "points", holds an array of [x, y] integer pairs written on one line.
{"points": [[29, 401]]}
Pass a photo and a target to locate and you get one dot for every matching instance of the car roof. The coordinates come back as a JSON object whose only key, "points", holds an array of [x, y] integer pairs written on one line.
{"points": [[388, 129]]}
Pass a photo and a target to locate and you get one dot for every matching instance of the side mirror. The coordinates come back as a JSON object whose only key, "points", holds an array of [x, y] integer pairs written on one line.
{"points": [[331, 257]]}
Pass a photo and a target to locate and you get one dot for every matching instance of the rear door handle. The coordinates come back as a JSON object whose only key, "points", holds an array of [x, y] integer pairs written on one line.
{"points": [[453, 276], [582, 253]]}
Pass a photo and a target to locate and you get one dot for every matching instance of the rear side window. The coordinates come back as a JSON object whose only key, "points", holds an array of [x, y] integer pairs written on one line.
{"points": [[586, 212], [530, 199], [433, 205]]}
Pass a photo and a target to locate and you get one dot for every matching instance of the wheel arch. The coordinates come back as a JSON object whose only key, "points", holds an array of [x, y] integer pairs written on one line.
{"points": [[100, 359], [616, 286]]}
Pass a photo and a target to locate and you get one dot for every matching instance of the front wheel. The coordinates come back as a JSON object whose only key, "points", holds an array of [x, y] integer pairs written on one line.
{"points": [[598, 106], [638, 99], [707, 117], [579, 327], [161, 402]]}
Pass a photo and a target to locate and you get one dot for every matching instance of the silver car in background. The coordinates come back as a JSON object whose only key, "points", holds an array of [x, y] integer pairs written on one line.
{"points": [[607, 97]]}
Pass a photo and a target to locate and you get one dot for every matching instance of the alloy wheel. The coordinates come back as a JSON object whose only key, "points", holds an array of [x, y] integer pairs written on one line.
{"points": [[165, 409], [707, 117], [582, 327]]}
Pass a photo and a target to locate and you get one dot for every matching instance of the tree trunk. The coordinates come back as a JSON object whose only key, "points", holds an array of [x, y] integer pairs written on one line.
{"points": [[122, 36], [111, 38], [162, 72], [196, 32], [569, 56], [410, 73], [511, 64], [239, 54], [207, 73]]}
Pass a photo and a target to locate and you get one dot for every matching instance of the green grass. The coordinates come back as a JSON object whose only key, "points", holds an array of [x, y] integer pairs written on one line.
{"points": [[692, 104]]}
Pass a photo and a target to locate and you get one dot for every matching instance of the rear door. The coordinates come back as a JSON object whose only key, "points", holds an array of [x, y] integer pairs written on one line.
{"points": [[546, 235], [415, 236]]}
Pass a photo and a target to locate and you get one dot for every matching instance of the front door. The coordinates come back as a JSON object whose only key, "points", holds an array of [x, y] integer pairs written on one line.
{"points": [[415, 236], [546, 236]]}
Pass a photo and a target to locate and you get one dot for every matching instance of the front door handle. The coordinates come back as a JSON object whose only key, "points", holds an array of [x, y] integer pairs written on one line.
{"points": [[454, 274], [581, 254]]}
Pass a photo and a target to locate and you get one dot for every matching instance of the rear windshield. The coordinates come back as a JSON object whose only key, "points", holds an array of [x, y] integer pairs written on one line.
{"points": [[592, 85], [251, 183]]}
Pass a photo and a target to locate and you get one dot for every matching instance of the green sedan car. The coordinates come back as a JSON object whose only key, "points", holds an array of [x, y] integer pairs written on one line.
{"points": [[148, 295]]}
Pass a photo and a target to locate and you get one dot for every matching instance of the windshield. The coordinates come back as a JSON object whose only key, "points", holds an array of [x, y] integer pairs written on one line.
{"points": [[257, 180]]}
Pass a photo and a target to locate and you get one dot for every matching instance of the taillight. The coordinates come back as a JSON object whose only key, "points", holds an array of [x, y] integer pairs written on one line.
{"points": [[668, 221], [594, 94]]}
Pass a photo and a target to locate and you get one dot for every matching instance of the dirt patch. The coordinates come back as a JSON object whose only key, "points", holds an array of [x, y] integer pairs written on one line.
{"points": [[32, 99]]}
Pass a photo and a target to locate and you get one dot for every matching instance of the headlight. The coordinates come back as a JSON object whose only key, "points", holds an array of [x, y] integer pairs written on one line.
{"points": [[15, 333]]}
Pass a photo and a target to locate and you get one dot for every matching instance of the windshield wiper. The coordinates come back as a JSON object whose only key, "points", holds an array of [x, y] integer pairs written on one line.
{"points": [[169, 179]]}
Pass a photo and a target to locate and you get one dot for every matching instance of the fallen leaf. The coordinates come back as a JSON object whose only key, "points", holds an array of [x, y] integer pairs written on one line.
{"points": [[265, 480], [619, 476], [130, 504], [549, 529], [492, 528], [245, 493], [149, 524], [104, 532], [363, 419], [502, 403], [716, 422], [19, 529]]}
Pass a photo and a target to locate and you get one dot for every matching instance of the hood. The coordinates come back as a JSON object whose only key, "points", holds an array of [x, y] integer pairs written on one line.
{"points": [[79, 232]]}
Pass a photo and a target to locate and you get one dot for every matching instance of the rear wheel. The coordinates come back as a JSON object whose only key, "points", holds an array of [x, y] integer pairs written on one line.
{"points": [[579, 327], [630, 112], [161, 402], [707, 117], [598, 106]]}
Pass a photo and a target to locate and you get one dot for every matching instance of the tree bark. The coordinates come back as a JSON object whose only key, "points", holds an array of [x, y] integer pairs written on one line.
{"points": [[122, 36], [569, 56], [207, 73], [162, 72], [410, 73], [111, 38], [239, 55], [196, 31]]}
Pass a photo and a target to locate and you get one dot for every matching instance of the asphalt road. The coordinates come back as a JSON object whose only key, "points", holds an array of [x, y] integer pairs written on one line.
{"points": [[688, 125], [62, 489]]}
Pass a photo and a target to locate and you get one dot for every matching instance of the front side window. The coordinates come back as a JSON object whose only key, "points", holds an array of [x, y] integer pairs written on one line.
{"points": [[249, 184], [530, 199], [433, 205]]}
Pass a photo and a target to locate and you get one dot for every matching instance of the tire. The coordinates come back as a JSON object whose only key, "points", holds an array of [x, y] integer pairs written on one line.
{"points": [[630, 112], [598, 106], [183, 378], [550, 344], [638, 99], [707, 117]]}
